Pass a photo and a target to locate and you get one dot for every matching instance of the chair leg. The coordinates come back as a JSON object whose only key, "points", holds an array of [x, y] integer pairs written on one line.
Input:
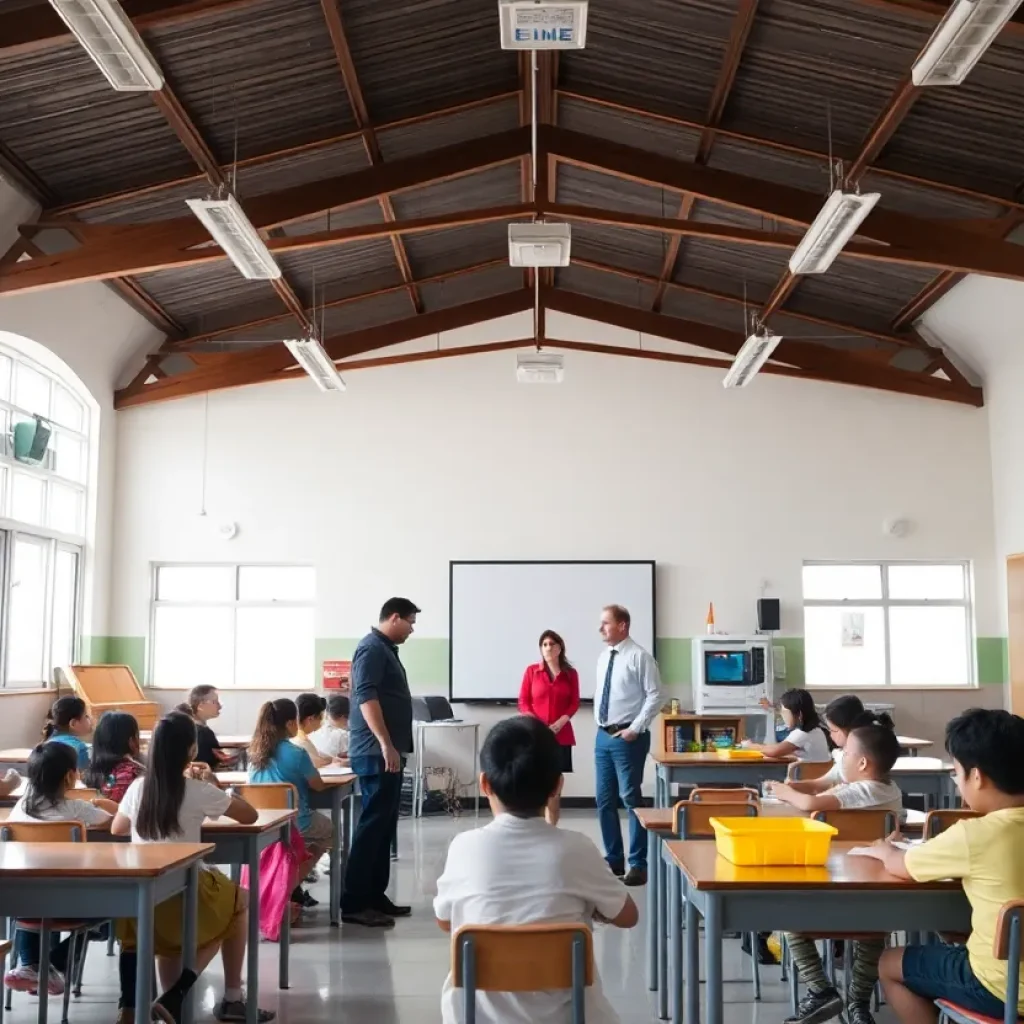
{"points": [[794, 987], [784, 956], [80, 966], [756, 967], [69, 973], [13, 932], [847, 968], [579, 979]]}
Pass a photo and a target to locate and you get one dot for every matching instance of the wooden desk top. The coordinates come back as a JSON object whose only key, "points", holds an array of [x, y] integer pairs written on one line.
{"points": [[330, 777], [914, 741], [710, 757], [921, 764], [266, 821], [226, 742], [15, 755], [659, 819], [706, 871], [96, 860]]}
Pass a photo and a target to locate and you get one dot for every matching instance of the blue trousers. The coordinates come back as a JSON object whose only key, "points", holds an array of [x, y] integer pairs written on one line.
{"points": [[619, 771]]}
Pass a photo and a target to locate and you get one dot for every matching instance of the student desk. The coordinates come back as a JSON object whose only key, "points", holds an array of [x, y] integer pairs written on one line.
{"points": [[15, 755], [848, 894], [911, 745], [338, 798], [104, 880], [930, 777], [239, 743]]}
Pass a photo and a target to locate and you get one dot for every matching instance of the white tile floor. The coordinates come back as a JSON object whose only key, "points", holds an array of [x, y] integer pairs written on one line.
{"points": [[355, 976]]}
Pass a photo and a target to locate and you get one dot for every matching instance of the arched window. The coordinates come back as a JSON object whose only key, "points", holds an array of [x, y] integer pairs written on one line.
{"points": [[44, 490]]}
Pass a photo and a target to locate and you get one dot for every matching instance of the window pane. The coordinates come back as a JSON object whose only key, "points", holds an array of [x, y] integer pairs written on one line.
{"points": [[274, 647], [927, 582], [5, 377], [67, 410], [31, 390], [69, 456], [192, 646], [929, 647], [844, 646], [3, 490], [195, 583], [65, 592], [842, 582], [25, 643], [27, 498], [64, 509], [276, 583]]}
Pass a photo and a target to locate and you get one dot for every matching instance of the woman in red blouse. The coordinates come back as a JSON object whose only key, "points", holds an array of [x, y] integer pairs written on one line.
{"points": [[551, 692]]}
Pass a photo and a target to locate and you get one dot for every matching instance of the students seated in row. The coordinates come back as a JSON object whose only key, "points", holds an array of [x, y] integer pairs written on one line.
{"points": [[520, 870], [310, 708], [274, 758], [985, 854], [203, 706], [806, 740], [842, 716], [49, 796], [331, 739], [115, 763], [870, 751], [68, 722], [169, 805]]}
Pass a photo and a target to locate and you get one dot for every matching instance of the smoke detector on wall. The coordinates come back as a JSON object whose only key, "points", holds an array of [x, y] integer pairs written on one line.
{"points": [[898, 528]]}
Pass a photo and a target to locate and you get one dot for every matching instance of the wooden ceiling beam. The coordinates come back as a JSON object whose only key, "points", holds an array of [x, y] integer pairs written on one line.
{"points": [[360, 112], [742, 23], [269, 363], [931, 12]]}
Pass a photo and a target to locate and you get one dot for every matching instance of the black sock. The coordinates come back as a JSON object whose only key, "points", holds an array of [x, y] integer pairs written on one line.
{"points": [[127, 967], [172, 999]]}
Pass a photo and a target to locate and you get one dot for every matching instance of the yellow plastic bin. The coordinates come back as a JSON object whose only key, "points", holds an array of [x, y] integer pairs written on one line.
{"points": [[785, 842], [739, 754]]}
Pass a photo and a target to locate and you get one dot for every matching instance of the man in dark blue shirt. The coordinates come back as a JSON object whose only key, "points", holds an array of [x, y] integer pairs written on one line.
{"points": [[380, 738]]}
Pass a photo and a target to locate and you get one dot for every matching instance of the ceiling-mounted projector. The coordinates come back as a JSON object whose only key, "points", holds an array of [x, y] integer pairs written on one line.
{"points": [[540, 368], [543, 24], [539, 245]]}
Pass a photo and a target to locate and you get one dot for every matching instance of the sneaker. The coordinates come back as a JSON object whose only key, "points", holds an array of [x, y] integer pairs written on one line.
{"points": [[235, 1010], [859, 1013], [369, 918], [635, 876], [385, 906], [817, 1007], [24, 978]]}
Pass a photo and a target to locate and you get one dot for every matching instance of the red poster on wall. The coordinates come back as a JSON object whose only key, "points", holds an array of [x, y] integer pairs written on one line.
{"points": [[337, 675]]}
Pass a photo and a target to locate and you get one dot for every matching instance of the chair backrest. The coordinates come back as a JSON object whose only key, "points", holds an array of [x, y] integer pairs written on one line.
{"points": [[83, 793], [860, 825], [1008, 948], [805, 771], [269, 796], [723, 796], [938, 821], [693, 820], [43, 832], [522, 957]]}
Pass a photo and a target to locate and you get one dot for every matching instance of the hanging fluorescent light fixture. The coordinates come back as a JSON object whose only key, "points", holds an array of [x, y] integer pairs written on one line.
{"points": [[313, 358], [107, 35], [750, 358], [232, 230], [966, 31], [835, 225]]}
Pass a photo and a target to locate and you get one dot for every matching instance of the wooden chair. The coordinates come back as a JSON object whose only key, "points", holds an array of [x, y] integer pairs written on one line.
{"points": [[724, 796], [112, 688], [5, 948], [936, 822], [861, 825], [806, 771], [523, 958], [1007, 947], [53, 832], [269, 796]]}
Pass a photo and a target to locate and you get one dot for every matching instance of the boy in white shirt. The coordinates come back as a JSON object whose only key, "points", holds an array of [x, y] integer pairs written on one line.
{"points": [[331, 739], [521, 870], [868, 757]]}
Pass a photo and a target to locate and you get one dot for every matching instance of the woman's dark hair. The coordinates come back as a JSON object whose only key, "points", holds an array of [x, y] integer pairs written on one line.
{"points": [[801, 704], [990, 741], [563, 662], [163, 790], [63, 712], [308, 705], [111, 744], [338, 705], [844, 711], [271, 728], [522, 763], [48, 766]]}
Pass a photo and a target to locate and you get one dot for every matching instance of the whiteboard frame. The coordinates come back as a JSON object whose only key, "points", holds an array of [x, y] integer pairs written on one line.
{"points": [[537, 561]]}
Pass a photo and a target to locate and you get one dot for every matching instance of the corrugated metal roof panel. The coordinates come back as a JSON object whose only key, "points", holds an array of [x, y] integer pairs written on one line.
{"points": [[469, 287], [584, 187], [642, 132], [372, 259], [356, 316], [639, 251], [727, 267], [769, 164], [704, 310], [437, 252], [599, 285], [423, 136], [347, 216], [497, 186]]}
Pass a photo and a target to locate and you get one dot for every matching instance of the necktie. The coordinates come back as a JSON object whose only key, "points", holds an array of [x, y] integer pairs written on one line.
{"points": [[606, 693]]}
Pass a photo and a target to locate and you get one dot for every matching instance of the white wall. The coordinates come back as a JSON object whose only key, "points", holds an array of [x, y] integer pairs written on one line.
{"points": [[421, 463]]}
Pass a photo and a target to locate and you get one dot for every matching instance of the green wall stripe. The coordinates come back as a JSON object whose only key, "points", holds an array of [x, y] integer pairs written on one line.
{"points": [[993, 660]]}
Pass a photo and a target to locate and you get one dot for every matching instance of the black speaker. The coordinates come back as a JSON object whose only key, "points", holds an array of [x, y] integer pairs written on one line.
{"points": [[768, 614]]}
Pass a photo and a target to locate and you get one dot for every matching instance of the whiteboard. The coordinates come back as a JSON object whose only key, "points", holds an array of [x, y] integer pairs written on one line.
{"points": [[498, 610]]}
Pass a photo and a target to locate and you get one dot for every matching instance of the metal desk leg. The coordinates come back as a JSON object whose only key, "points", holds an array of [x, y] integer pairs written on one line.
{"points": [[417, 785], [44, 969], [145, 949], [252, 983], [676, 934], [691, 966], [336, 836], [189, 938], [653, 856], [284, 951], [660, 867], [347, 826], [713, 959]]}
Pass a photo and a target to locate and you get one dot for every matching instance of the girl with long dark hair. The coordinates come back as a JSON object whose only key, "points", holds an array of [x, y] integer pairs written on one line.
{"points": [[68, 722], [115, 763], [806, 739]]}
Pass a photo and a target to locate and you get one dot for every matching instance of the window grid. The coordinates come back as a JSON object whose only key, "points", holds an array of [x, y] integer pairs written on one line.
{"points": [[887, 603]]}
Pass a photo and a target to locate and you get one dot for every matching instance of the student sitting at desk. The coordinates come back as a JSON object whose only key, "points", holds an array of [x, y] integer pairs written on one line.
{"points": [[68, 722], [870, 752], [52, 775], [311, 708], [204, 706], [806, 740], [331, 739], [520, 870], [985, 854], [115, 761]]}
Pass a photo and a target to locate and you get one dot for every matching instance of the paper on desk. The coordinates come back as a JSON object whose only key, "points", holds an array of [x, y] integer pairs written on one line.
{"points": [[335, 770], [900, 844]]}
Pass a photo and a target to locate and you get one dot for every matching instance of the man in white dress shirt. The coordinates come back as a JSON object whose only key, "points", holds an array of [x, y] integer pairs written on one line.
{"points": [[627, 699]]}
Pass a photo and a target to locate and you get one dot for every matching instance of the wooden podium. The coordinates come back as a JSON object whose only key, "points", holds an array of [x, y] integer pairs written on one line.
{"points": [[113, 688]]}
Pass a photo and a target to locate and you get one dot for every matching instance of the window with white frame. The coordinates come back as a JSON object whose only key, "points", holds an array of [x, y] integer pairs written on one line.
{"points": [[44, 480], [244, 626], [888, 624]]}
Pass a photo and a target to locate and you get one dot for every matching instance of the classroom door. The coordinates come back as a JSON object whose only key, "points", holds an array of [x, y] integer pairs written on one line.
{"points": [[1015, 616]]}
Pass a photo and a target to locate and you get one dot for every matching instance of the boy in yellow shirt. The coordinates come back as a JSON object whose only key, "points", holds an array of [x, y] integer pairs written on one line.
{"points": [[987, 748]]}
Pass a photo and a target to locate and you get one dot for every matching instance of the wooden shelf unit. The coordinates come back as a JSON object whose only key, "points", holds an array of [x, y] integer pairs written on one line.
{"points": [[699, 729]]}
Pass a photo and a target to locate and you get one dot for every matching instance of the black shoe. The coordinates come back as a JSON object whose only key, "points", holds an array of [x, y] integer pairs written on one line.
{"points": [[859, 1013], [385, 906], [303, 899], [635, 876], [618, 870], [368, 918], [817, 1007]]}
